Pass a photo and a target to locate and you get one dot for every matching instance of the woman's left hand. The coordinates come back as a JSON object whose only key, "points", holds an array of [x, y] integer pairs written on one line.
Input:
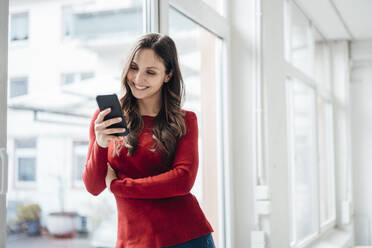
{"points": [[110, 175]]}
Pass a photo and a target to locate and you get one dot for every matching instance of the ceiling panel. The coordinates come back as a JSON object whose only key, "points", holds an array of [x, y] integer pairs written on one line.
{"points": [[357, 15]]}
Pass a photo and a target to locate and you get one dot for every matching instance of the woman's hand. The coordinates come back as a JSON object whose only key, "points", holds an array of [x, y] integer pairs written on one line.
{"points": [[110, 175], [103, 136]]}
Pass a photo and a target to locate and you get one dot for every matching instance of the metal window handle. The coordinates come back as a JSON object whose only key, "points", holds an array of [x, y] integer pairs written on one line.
{"points": [[3, 171]]}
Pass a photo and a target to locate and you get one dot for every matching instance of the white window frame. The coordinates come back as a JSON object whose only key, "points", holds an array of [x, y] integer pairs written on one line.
{"points": [[207, 17], [321, 95]]}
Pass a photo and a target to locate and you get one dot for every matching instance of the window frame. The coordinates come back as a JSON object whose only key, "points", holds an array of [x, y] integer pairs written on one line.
{"points": [[208, 18], [321, 94]]}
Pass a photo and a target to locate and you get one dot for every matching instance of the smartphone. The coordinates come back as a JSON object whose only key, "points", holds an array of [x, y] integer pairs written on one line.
{"points": [[112, 101]]}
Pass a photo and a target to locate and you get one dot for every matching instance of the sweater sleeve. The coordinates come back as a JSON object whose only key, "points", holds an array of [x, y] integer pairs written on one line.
{"points": [[175, 182], [95, 170]]}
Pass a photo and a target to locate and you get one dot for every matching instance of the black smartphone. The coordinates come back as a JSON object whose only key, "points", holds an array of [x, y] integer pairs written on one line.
{"points": [[112, 101]]}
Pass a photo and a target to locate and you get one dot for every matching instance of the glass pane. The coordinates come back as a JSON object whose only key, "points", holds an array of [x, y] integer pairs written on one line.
{"points": [[199, 52], [299, 40], [301, 99], [87, 22], [322, 63], [64, 77], [26, 169], [68, 78], [86, 75], [18, 87], [326, 163], [80, 153], [19, 27], [80, 164], [26, 143]]}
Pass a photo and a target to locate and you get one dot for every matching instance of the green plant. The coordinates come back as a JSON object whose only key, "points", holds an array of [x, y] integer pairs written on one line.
{"points": [[28, 212]]}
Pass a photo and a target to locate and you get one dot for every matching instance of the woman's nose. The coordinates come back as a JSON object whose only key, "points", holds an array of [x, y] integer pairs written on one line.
{"points": [[139, 77]]}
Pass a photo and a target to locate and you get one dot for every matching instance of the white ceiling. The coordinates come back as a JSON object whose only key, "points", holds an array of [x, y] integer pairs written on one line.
{"points": [[340, 19]]}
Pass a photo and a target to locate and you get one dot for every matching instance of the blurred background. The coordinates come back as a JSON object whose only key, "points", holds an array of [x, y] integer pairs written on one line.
{"points": [[280, 88]]}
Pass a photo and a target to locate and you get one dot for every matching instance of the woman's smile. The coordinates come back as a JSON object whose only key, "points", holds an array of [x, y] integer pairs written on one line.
{"points": [[140, 88]]}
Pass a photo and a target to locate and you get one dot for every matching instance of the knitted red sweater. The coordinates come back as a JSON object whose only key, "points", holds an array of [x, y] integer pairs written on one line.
{"points": [[155, 206]]}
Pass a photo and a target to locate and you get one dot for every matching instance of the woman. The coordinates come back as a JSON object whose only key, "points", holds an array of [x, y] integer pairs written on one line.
{"points": [[152, 170]]}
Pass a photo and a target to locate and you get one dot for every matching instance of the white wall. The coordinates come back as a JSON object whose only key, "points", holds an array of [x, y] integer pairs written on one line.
{"points": [[361, 127]]}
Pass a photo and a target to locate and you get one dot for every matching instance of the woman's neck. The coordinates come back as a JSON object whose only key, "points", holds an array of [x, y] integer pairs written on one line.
{"points": [[148, 107]]}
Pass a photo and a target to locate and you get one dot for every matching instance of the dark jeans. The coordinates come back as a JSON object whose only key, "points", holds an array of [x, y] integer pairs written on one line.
{"points": [[205, 241]]}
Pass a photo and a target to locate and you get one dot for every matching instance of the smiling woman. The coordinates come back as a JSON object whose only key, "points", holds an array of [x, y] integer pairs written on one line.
{"points": [[152, 170]]}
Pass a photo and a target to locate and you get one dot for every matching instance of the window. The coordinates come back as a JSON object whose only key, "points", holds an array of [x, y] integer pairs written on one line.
{"points": [[199, 56], [299, 42], [310, 120], [51, 174], [70, 78], [19, 27], [18, 86], [86, 22], [86, 75], [326, 132], [80, 149], [326, 164], [303, 169], [67, 78], [25, 159]]}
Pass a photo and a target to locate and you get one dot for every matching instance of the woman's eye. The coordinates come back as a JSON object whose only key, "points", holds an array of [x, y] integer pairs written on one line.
{"points": [[132, 67], [151, 73]]}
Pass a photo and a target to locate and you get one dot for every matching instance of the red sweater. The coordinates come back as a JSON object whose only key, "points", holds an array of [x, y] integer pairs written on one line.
{"points": [[155, 206]]}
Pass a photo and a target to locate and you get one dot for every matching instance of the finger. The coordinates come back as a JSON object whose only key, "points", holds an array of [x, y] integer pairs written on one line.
{"points": [[113, 130], [102, 115], [111, 121], [111, 137]]}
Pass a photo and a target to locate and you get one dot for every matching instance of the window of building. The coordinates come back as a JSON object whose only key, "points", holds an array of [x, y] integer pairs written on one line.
{"points": [[80, 149], [70, 78], [25, 159], [18, 86], [93, 23], [19, 27]]}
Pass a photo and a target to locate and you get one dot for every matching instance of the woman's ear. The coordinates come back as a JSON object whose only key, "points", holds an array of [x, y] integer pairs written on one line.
{"points": [[168, 76]]}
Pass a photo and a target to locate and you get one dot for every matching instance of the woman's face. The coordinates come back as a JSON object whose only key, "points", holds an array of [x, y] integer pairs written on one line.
{"points": [[146, 75]]}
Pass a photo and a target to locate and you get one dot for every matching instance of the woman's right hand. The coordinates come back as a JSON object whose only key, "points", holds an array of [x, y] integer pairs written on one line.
{"points": [[103, 134]]}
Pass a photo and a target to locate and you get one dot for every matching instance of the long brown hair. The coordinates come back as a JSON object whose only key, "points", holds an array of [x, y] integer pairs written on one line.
{"points": [[168, 125]]}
